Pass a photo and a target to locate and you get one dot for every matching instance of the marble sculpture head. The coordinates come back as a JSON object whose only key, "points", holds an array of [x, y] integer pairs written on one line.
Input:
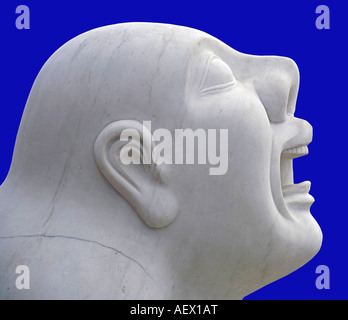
{"points": [[177, 231]]}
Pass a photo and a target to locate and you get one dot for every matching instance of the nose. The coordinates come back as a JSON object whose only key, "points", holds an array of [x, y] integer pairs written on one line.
{"points": [[292, 133], [276, 81]]}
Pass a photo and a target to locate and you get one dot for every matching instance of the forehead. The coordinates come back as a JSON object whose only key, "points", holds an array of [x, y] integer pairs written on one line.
{"points": [[165, 65], [167, 47], [173, 53], [155, 64]]}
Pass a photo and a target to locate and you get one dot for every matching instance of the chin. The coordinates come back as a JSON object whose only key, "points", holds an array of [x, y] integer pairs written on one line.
{"points": [[299, 240]]}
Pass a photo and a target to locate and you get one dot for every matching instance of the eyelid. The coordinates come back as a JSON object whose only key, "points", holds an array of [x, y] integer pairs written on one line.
{"points": [[220, 87], [224, 72]]}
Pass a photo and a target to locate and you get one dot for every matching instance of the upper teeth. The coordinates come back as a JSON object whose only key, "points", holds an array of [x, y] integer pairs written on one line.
{"points": [[302, 150]]}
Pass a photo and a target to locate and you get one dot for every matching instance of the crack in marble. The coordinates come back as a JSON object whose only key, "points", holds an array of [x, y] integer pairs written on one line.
{"points": [[52, 236]]}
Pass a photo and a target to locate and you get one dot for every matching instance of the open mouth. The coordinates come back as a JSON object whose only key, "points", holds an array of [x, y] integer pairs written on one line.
{"points": [[295, 196]]}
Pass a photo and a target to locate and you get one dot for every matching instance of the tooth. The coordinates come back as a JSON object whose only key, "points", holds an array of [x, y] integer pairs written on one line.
{"points": [[301, 150]]}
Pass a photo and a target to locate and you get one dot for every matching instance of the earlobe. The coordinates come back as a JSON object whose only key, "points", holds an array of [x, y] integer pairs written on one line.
{"points": [[128, 167]]}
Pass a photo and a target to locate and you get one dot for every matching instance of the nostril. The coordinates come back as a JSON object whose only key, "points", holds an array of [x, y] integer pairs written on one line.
{"points": [[290, 109], [290, 67]]}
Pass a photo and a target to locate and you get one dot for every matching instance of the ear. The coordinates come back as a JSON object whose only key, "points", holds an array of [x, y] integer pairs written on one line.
{"points": [[130, 167]]}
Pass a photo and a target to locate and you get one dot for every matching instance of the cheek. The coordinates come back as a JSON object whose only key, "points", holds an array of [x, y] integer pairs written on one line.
{"points": [[248, 148], [239, 109], [250, 141], [246, 185], [249, 133]]}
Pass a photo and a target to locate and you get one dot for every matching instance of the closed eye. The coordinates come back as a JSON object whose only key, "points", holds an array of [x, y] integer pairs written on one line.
{"points": [[217, 75]]}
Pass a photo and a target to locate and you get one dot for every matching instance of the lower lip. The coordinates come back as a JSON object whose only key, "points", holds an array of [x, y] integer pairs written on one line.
{"points": [[296, 196]]}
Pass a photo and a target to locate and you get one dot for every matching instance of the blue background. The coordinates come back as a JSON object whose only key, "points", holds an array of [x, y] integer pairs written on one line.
{"points": [[285, 28]]}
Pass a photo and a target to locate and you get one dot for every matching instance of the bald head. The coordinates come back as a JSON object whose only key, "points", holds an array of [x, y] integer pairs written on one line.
{"points": [[250, 225]]}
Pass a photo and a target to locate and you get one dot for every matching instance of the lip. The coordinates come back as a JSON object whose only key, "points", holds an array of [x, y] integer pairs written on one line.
{"points": [[297, 197]]}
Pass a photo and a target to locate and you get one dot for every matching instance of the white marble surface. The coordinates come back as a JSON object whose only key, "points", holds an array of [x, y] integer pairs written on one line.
{"points": [[90, 227]]}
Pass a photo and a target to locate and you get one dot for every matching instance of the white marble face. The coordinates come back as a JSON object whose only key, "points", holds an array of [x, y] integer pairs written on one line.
{"points": [[220, 236], [255, 205]]}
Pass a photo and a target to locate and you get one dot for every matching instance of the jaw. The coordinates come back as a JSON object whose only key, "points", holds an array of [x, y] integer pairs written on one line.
{"points": [[295, 236], [296, 227]]}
